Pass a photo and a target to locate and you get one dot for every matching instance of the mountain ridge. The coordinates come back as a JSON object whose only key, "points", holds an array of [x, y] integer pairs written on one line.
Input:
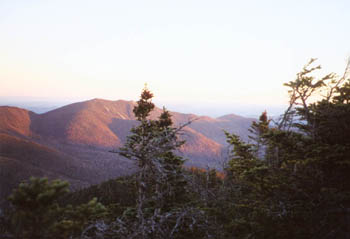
{"points": [[77, 139]]}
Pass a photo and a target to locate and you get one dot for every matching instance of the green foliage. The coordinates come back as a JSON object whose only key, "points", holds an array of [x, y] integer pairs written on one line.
{"points": [[152, 145], [144, 105], [161, 186], [75, 219], [35, 206], [37, 213], [257, 132], [121, 191], [298, 187]]}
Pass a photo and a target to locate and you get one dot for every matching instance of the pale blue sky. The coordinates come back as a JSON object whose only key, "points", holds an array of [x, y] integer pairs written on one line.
{"points": [[195, 53]]}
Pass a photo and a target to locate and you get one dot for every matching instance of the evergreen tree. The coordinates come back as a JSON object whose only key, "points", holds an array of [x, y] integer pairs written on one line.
{"points": [[257, 131], [299, 187], [36, 206], [161, 184], [37, 214], [152, 145]]}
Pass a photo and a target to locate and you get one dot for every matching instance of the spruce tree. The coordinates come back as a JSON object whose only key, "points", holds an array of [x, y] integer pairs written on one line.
{"points": [[257, 131], [36, 206], [160, 179], [37, 214], [299, 187]]}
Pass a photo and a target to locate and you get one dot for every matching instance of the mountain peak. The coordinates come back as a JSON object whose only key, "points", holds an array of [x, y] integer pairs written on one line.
{"points": [[229, 117]]}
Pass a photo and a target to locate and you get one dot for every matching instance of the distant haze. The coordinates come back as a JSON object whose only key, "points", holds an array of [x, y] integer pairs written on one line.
{"points": [[42, 105]]}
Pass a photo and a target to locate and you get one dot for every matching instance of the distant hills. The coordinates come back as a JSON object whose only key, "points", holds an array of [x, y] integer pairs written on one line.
{"points": [[73, 142]]}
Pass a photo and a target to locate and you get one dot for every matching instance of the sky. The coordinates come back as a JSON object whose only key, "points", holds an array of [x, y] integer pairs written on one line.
{"points": [[207, 57]]}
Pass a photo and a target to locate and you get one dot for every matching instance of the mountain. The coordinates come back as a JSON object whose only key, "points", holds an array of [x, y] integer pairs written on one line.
{"points": [[21, 158], [15, 120], [74, 142]]}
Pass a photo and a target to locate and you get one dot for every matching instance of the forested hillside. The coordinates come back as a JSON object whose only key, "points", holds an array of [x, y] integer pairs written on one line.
{"points": [[292, 180]]}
